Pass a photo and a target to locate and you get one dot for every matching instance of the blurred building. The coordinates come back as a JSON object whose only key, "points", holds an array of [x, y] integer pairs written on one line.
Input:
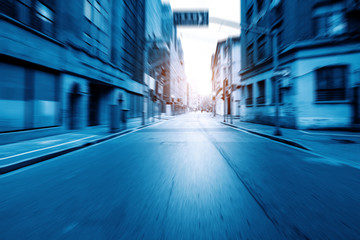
{"points": [[175, 84], [64, 63], [319, 68], [156, 58], [225, 65]]}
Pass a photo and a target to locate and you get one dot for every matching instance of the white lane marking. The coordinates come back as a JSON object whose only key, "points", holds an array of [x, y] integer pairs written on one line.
{"points": [[20, 170], [331, 134], [40, 149]]}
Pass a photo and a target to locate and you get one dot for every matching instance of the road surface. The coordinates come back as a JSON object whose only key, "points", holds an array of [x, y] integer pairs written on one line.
{"points": [[186, 178]]}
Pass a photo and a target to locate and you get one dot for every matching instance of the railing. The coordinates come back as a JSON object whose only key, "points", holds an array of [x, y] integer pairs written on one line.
{"points": [[338, 94], [249, 101], [260, 100]]}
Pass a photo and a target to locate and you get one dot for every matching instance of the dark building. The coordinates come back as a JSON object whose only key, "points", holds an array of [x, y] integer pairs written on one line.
{"points": [[319, 71], [64, 63]]}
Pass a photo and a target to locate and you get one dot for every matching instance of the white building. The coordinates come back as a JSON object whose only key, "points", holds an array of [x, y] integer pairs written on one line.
{"points": [[225, 66]]}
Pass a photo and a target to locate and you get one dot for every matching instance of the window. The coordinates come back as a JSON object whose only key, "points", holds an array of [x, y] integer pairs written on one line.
{"points": [[96, 13], [34, 13], [249, 15], [226, 52], [99, 37], [87, 9], [261, 92], [260, 5], [331, 83], [249, 99], [279, 30], [329, 20], [261, 48], [43, 12], [250, 55], [44, 18]]}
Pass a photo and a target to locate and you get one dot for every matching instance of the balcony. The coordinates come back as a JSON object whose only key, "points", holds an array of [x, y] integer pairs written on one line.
{"points": [[260, 100], [338, 94], [249, 102]]}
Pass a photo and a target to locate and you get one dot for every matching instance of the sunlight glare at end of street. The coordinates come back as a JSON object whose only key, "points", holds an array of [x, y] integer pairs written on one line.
{"points": [[199, 43]]}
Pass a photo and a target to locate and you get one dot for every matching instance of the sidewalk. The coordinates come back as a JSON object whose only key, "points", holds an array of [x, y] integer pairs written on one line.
{"points": [[338, 146], [21, 154]]}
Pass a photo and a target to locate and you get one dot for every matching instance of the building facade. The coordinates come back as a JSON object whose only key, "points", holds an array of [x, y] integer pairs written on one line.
{"points": [[156, 59], [225, 65], [63, 64], [318, 47], [175, 83]]}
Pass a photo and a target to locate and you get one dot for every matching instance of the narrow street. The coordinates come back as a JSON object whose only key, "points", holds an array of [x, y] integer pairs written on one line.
{"points": [[185, 178]]}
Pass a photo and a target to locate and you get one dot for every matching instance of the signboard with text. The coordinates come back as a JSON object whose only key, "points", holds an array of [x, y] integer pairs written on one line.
{"points": [[191, 18]]}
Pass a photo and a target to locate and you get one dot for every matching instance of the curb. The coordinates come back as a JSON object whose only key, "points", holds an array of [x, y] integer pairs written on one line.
{"points": [[30, 161], [278, 139]]}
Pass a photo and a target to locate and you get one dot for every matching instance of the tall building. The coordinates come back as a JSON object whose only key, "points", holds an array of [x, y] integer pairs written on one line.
{"points": [[318, 46], [156, 58], [175, 83], [64, 63]]}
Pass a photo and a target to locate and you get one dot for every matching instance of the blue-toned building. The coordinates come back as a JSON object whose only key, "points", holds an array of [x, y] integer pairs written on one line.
{"points": [[318, 45], [63, 63]]}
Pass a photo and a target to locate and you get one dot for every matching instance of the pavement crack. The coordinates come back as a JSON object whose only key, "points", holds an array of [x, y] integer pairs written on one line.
{"points": [[252, 193]]}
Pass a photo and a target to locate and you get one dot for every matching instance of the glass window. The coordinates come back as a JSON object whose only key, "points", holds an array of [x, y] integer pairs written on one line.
{"points": [[331, 83], [261, 93], [249, 16], [330, 20], [260, 5], [250, 54], [261, 48], [97, 6], [87, 9], [97, 18], [44, 12]]}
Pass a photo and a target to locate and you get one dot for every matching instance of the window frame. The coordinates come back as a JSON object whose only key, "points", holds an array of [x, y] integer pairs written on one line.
{"points": [[330, 98], [325, 13]]}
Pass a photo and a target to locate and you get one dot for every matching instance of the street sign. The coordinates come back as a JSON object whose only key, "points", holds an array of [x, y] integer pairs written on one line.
{"points": [[191, 18]]}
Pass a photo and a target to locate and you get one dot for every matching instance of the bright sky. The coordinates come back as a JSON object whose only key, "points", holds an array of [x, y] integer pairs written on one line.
{"points": [[200, 43]]}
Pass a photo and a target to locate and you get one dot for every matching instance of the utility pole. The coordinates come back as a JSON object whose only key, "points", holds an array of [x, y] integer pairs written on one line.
{"points": [[276, 79], [224, 86], [231, 73]]}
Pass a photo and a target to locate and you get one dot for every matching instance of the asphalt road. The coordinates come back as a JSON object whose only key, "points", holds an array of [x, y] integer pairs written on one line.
{"points": [[186, 178]]}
